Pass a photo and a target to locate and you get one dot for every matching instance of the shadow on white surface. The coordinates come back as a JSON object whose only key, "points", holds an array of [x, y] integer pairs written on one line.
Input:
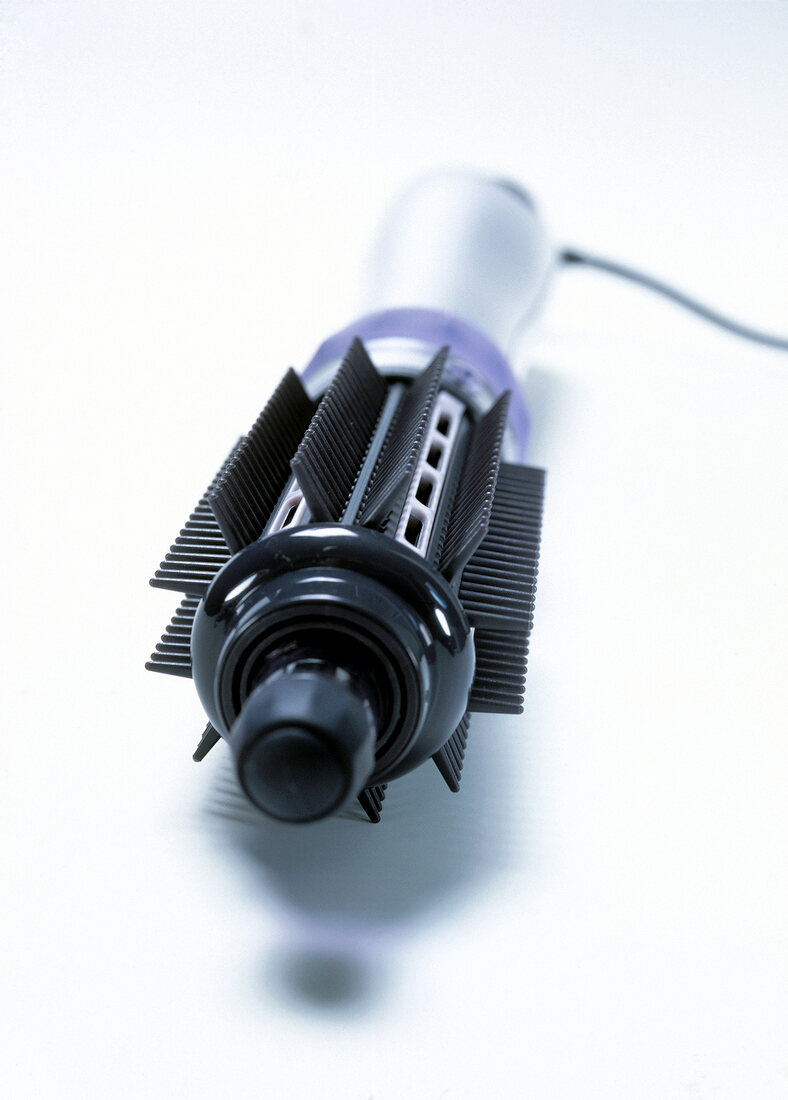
{"points": [[350, 892], [323, 980]]}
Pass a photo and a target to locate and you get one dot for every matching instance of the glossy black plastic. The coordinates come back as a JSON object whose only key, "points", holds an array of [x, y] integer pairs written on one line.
{"points": [[304, 745], [357, 598]]}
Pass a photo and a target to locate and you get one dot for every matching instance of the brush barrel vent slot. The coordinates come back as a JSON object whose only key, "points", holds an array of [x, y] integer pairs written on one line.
{"points": [[425, 492], [291, 512]]}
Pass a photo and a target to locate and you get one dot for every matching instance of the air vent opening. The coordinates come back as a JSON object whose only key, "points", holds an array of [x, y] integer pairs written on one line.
{"points": [[413, 530], [292, 512], [423, 500], [434, 455], [424, 490]]}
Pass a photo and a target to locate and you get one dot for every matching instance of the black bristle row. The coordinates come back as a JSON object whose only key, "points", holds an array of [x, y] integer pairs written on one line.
{"points": [[371, 801], [328, 461], [209, 738], [472, 506], [251, 483], [400, 453], [498, 589], [449, 759], [173, 653], [498, 585], [501, 661], [199, 551]]}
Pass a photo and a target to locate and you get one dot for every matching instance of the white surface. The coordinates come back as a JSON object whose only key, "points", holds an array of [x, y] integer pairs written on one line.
{"points": [[187, 192]]}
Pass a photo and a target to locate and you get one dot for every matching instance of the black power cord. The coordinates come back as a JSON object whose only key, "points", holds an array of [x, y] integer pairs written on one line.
{"points": [[622, 271]]}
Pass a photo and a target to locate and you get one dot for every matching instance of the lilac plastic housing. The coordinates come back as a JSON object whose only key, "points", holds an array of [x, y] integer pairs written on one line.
{"points": [[475, 367]]}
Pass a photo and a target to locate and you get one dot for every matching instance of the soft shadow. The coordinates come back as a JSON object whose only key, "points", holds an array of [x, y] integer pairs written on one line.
{"points": [[350, 889], [327, 980]]}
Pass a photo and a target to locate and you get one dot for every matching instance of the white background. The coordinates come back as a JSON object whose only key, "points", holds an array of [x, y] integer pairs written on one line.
{"points": [[186, 194]]}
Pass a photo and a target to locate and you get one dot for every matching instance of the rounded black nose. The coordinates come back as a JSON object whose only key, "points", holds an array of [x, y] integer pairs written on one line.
{"points": [[304, 745]]}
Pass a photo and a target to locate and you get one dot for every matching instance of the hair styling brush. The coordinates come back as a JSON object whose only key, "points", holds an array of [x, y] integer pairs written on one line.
{"points": [[359, 577]]}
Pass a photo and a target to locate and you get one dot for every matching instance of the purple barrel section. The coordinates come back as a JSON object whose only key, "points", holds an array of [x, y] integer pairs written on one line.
{"points": [[475, 366]]}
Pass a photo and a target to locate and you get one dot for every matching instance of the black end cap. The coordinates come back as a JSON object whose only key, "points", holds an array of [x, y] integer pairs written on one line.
{"points": [[304, 745]]}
